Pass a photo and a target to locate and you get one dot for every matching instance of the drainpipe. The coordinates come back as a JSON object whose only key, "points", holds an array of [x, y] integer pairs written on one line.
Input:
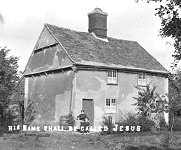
{"points": [[73, 89]]}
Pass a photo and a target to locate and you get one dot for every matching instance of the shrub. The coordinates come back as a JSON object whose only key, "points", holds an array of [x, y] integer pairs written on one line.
{"points": [[130, 120], [145, 98], [29, 112], [133, 120], [177, 124], [107, 121], [145, 123], [163, 126]]}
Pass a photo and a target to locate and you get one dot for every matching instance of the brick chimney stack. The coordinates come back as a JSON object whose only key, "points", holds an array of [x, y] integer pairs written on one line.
{"points": [[98, 23]]}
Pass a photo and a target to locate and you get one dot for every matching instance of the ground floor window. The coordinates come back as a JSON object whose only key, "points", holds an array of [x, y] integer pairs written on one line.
{"points": [[110, 105]]}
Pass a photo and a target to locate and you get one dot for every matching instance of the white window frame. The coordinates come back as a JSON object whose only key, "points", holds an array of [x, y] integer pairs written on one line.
{"points": [[112, 77], [142, 79], [111, 105]]}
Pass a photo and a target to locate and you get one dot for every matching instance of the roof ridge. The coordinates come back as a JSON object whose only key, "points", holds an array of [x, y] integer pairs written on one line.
{"points": [[62, 28]]}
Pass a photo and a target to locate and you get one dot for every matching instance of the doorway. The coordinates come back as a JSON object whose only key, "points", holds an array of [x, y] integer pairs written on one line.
{"points": [[88, 107]]}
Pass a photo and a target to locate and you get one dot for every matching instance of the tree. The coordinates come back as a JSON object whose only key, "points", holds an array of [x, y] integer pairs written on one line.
{"points": [[144, 99], [8, 76], [174, 97], [149, 101], [151, 105], [169, 12]]}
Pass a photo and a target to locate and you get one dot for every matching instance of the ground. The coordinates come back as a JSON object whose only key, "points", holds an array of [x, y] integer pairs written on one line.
{"points": [[89, 141]]}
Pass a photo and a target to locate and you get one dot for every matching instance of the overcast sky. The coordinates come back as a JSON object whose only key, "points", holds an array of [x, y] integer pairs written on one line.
{"points": [[23, 22]]}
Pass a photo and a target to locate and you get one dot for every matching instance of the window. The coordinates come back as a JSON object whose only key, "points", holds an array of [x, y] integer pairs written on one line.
{"points": [[141, 79], [110, 105], [112, 77]]}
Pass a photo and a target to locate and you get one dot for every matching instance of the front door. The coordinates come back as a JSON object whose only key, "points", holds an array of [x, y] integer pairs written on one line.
{"points": [[88, 107]]}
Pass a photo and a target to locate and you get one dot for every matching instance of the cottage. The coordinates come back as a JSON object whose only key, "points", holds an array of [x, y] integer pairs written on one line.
{"points": [[69, 71]]}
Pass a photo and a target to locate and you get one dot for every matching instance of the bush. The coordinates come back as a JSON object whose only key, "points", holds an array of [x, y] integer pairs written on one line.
{"points": [[130, 120], [177, 124], [145, 123], [107, 121], [162, 125], [133, 120], [29, 114]]}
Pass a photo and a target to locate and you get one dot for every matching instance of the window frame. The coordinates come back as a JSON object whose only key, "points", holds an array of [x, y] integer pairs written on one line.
{"points": [[112, 76], [141, 79], [112, 107]]}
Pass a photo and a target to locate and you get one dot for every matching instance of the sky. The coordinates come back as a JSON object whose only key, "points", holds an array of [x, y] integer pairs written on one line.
{"points": [[23, 22]]}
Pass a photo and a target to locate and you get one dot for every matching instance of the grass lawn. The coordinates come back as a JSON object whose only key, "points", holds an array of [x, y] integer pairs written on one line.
{"points": [[91, 141]]}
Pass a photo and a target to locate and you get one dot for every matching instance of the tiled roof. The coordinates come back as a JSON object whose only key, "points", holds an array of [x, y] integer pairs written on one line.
{"points": [[84, 47]]}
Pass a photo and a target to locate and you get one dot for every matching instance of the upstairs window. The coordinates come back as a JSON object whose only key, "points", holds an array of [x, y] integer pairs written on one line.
{"points": [[110, 105], [141, 79], [112, 77]]}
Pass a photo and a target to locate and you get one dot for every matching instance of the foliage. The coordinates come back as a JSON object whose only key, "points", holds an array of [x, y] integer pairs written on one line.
{"points": [[174, 96], [13, 118], [107, 121], [145, 123], [8, 76], [145, 99], [130, 120], [177, 124], [134, 120], [8, 80], [149, 101], [29, 114], [162, 125], [169, 13]]}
